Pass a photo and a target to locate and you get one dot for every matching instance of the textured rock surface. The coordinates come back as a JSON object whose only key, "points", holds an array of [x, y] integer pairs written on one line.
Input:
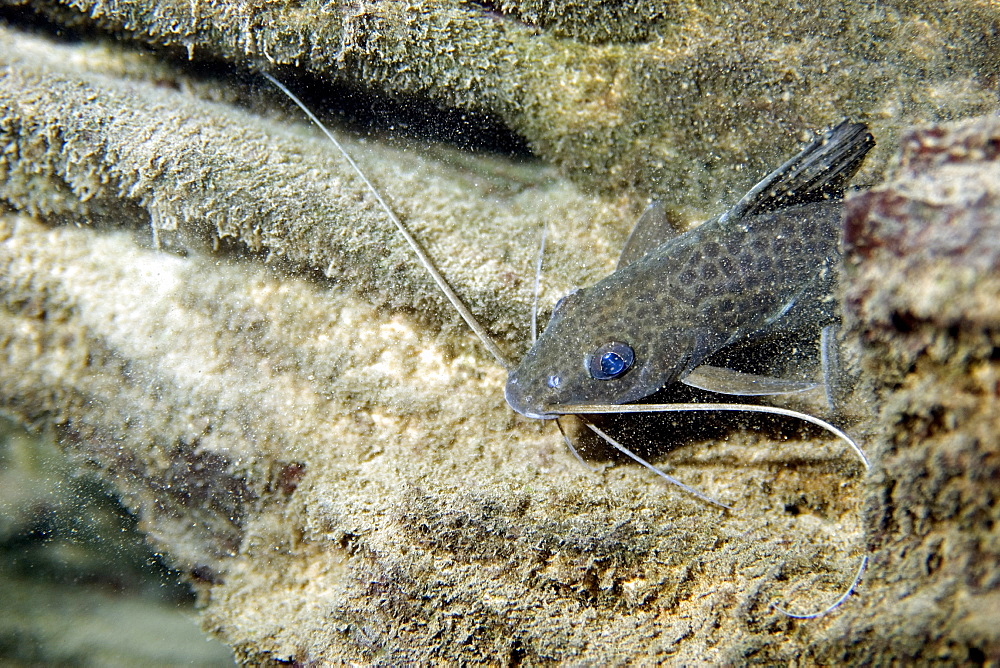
{"points": [[90, 139], [393, 508], [683, 99], [924, 260], [336, 470]]}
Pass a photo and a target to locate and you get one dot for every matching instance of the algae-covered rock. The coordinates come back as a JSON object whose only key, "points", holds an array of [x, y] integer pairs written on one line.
{"points": [[923, 256], [686, 100], [199, 297], [91, 139]]}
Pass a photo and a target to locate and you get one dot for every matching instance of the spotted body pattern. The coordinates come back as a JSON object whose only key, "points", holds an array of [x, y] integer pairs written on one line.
{"points": [[766, 266]]}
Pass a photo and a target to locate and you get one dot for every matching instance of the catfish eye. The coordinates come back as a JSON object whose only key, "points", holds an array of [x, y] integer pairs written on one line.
{"points": [[610, 361]]}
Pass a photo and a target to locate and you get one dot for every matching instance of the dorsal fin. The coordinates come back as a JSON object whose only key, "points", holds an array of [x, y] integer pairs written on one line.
{"points": [[819, 172], [652, 229]]}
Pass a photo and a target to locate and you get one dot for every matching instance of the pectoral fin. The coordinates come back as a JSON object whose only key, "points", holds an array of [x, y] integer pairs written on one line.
{"points": [[727, 381]]}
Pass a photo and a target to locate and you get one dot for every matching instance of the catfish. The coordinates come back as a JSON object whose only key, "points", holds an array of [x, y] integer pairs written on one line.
{"points": [[765, 267]]}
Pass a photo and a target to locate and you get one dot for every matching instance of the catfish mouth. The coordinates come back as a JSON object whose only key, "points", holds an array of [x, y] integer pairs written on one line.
{"points": [[524, 404]]}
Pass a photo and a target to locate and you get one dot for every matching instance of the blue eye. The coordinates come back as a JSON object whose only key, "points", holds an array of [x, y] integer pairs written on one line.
{"points": [[610, 361]]}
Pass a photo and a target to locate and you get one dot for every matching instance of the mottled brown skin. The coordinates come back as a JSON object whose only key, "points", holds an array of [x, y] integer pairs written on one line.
{"points": [[765, 266], [689, 298]]}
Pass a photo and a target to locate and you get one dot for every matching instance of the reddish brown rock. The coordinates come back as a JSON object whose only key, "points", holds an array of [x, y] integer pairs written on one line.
{"points": [[923, 295]]}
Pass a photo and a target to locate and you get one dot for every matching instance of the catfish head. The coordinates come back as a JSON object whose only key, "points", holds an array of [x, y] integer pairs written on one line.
{"points": [[593, 352]]}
